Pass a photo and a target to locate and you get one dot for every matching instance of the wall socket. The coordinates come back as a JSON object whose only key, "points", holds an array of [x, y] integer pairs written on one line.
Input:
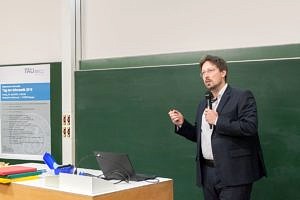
{"points": [[66, 125]]}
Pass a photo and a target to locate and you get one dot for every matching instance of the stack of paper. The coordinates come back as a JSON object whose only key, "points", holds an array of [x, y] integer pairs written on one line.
{"points": [[18, 173]]}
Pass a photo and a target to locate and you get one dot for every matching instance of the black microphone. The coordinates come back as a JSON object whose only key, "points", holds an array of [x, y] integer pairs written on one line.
{"points": [[209, 96]]}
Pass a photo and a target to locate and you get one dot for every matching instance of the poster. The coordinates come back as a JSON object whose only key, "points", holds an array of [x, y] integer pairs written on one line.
{"points": [[25, 131]]}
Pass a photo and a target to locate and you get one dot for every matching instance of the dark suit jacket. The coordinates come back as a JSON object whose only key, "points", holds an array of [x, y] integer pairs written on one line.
{"points": [[235, 142]]}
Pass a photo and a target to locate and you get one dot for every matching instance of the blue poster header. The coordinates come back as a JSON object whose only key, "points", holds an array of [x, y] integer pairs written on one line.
{"points": [[25, 92]]}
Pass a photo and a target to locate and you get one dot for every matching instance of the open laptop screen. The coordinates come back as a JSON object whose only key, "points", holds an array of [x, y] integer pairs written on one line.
{"points": [[115, 165], [119, 167]]}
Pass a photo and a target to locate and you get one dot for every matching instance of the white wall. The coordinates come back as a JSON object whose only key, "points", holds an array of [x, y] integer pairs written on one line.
{"points": [[35, 30], [117, 28], [30, 31]]}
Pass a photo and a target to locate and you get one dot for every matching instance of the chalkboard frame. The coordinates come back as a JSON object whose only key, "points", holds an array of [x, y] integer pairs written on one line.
{"points": [[245, 72]]}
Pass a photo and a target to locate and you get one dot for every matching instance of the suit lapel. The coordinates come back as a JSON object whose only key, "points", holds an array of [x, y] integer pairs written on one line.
{"points": [[201, 108], [224, 99]]}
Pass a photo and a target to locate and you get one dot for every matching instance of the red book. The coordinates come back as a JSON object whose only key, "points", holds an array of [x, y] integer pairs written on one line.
{"points": [[15, 170]]}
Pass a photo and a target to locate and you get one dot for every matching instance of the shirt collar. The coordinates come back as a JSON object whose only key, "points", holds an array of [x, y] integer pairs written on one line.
{"points": [[222, 91]]}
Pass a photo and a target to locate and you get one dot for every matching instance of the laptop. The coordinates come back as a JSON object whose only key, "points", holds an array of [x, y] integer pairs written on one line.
{"points": [[118, 166]]}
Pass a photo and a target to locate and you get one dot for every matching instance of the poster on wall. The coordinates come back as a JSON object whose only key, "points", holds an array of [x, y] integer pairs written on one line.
{"points": [[25, 131]]}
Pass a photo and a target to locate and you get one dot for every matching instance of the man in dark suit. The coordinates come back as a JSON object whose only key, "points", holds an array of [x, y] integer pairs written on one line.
{"points": [[229, 156]]}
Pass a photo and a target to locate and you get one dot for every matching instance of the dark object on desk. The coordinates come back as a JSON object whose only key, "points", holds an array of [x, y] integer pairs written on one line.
{"points": [[118, 166], [50, 161]]}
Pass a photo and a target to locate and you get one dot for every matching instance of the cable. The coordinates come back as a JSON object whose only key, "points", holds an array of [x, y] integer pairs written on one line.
{"points": [[81, 160], [122, 175], [155, 180]]}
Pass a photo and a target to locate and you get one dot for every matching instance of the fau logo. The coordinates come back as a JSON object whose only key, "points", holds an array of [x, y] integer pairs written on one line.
{"points": [[29, 70]]}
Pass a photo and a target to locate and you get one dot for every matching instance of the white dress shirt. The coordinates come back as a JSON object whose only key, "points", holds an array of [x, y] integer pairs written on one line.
{"points": [[207, 131]]}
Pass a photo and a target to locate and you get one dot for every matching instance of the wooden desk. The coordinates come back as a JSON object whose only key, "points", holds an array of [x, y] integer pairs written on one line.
{"points": [[37, 190]]}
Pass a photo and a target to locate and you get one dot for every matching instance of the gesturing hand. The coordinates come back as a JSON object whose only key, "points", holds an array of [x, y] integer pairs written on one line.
{"points": [[176, 117]]}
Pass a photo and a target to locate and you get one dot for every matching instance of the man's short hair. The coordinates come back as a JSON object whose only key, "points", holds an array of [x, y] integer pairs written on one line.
{"points": [[218, 61]]}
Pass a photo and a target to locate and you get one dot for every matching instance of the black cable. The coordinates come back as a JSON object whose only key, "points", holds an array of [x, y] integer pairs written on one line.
{"points": [[122, 175], [155, 180], [81, 160]]}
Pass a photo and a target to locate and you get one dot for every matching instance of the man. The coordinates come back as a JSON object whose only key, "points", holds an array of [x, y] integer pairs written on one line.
{"points": [[229, 157]]}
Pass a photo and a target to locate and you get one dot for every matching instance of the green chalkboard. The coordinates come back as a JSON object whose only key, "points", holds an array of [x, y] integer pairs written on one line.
{"points": [[125, 110]]}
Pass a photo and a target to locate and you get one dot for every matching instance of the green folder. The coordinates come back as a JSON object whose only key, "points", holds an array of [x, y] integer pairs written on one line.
{"points": [[20, 175]]}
